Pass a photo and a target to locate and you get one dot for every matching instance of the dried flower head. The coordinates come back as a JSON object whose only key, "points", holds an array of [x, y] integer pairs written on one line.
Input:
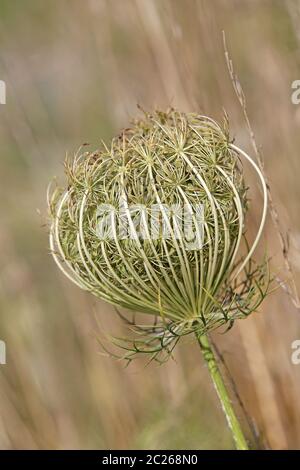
{"points": [[156, 223]]}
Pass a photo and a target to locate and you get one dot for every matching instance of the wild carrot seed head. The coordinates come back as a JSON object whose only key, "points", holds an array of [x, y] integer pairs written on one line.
{"points": [[154, 222]]}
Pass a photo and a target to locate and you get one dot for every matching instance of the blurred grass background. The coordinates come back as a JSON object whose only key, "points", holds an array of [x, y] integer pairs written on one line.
{"points": [[74, 71]]}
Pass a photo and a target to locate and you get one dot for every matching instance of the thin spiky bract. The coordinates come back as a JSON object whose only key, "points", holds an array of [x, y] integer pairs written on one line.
{"points": [[167, 159]]}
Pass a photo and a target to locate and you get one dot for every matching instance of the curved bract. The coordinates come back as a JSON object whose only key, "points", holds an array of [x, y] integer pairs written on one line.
{"points": [[156, 223]]}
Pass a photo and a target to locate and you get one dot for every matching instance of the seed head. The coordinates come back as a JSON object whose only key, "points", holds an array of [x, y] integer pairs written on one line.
{"points": [[156, 223]]}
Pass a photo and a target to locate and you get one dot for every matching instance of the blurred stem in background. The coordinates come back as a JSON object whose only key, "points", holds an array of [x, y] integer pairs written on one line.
{"points": [[233, 423]]}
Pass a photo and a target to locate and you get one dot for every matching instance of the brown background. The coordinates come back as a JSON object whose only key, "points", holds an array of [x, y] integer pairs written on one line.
{"points": [[74, 71]]}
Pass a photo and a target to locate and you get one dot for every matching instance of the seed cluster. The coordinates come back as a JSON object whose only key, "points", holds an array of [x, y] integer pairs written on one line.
{"points": [[178, 164]]}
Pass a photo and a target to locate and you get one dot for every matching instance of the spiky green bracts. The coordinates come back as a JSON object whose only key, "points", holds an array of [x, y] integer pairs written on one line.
{"points": [[155, 223]]}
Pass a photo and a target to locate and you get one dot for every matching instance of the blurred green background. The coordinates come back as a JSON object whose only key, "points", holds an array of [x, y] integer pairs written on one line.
{"points": [[75, 71]]}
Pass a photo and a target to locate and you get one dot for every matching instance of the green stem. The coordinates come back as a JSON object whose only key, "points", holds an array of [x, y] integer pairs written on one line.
{"points": [[233, 423]]}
